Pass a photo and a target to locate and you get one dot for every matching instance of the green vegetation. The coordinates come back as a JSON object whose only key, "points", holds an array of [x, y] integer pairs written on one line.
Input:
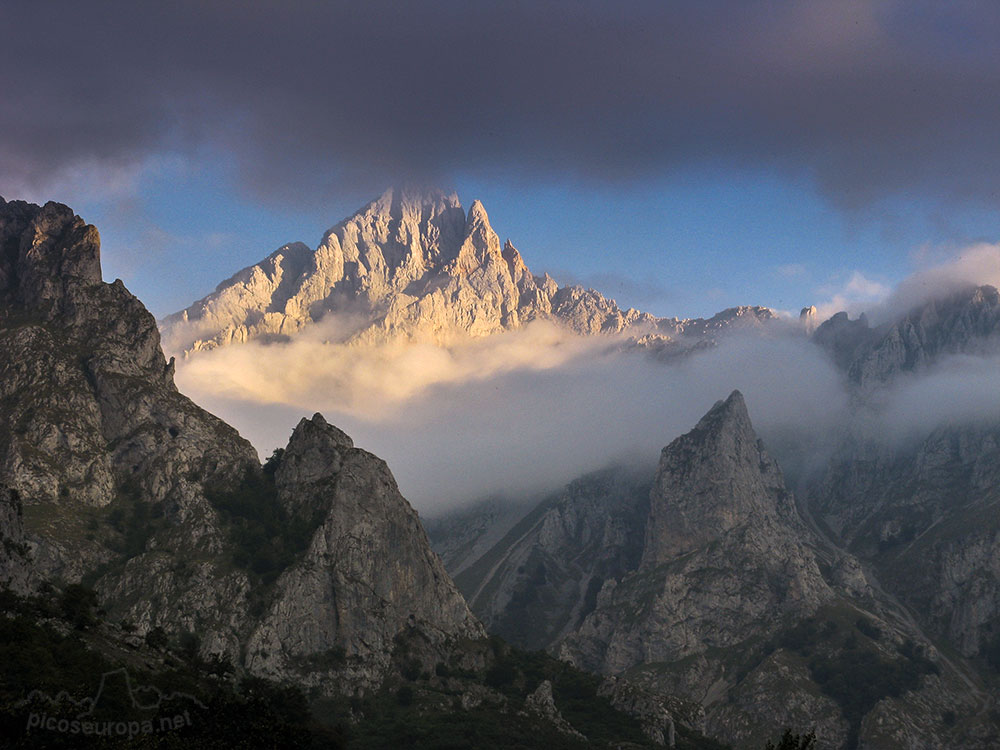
{"points": [[78, 604], [791, 741], [852, 670], [267, 539], [193, 710], [42, 651], [424, 711], [136, 521]]}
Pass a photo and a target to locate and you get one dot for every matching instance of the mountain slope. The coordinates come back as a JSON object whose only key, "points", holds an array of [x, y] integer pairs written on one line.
{"points": [[722, 536], [965, 322], [165, 510], [920, 510], [738, 607], [408, 265], [536, 584]]}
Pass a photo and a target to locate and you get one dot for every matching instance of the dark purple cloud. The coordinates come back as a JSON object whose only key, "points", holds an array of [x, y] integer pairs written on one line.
{"points": [[867, 98]]}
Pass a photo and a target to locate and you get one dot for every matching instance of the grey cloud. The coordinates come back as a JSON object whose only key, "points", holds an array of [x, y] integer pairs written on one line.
{"points": [[869, 98], [529, 428]]}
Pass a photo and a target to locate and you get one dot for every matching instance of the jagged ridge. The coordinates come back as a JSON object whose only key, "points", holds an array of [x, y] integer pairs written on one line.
{"points": [[415, 266]]}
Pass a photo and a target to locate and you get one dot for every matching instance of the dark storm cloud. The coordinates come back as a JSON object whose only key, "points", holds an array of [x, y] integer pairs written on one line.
{"points": [[868, 98]]}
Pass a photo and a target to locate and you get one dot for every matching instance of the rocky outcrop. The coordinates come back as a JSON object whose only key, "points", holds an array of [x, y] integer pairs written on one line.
{"points": [[738, 615], [919, 510], [413, 266], [924, 517], [966, 322], [542, 704], [809, 318], [315, 566], [91, 410], [367, 576], [461, 536], [15, 555], [541, 579], [723, 536]]}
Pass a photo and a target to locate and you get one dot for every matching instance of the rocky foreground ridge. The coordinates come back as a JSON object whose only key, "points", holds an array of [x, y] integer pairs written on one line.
{"points": [[415, 266], [94, 426], [296, 603]]}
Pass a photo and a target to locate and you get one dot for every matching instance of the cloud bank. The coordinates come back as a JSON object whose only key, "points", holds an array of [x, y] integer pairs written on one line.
{"points": [[524, 412], [868, 98], [975, 265], [553, 410]]}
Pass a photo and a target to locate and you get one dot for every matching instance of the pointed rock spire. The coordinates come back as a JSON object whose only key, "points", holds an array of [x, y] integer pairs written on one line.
{"points": [[481, 243], [715, 478]]}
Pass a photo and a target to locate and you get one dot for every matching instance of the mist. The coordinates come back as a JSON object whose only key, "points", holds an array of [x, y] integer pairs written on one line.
{"points": [[517, 416], [524, 412], [958, 390]]}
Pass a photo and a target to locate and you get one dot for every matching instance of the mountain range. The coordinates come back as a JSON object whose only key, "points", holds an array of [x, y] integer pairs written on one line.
{"points": [[717, 598], [413, 265]]}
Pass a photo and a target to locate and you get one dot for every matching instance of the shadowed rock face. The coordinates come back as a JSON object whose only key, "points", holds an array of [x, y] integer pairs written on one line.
{"points": [[541, 579], [15, 561], [91, 400], [966, 322], [728, 571], [368, 574], [921, 512], [724, 555], [411, 266], [712, 481], [93, 426]]}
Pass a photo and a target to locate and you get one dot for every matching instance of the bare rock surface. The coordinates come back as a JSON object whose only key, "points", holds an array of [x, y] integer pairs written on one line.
{"points": [[413, 265], [110, 476]]}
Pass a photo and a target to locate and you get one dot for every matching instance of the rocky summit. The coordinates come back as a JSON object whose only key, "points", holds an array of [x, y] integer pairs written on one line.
{"points": [[412, 265]]}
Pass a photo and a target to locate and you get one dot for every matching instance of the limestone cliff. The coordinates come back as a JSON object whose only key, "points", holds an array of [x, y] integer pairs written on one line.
{"points": [[15, 557], [722, 536], [368, 574], [416, 266], [920, 510], [166, 511], [964, 322], [538, 582], [739, 608]]}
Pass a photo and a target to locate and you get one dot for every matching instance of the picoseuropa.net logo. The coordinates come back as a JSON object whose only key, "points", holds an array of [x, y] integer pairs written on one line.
{"points": [[117, 709]]}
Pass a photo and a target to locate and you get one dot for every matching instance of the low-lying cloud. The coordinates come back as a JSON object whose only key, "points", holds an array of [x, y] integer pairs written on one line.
{"points": [[524, 412], [316, 370], [516, 415], [974, 265], [958, 390]]}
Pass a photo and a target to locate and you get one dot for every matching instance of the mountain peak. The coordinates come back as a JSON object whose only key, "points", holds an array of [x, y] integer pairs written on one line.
{"points": [[481, 244], [713, 479], [47, 254], [419, 267], [478, 215], [731, 409], [808, 318]]}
